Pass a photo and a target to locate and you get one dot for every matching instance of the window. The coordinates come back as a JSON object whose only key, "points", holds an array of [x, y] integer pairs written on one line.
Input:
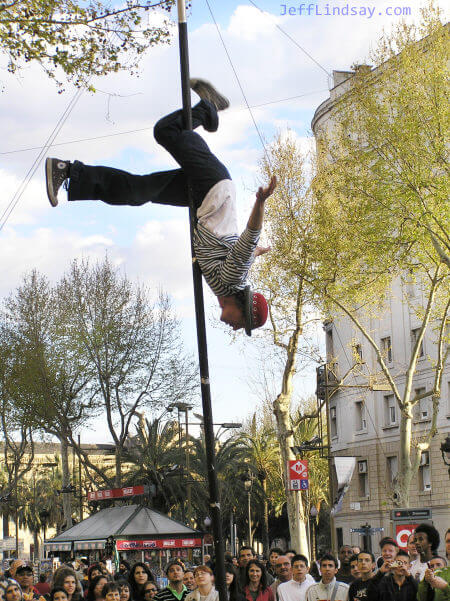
{"points": [[363, 479], [386, 349], [414, 336], [392, 468], [390, 410], [360, 416], [329, 341], [333, 422], [425, 472], [422, 409]]}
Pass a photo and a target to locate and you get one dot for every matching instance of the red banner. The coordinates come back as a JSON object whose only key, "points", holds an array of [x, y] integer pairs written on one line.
{"points": [[402, 533], [164, 543], [116, 493]]}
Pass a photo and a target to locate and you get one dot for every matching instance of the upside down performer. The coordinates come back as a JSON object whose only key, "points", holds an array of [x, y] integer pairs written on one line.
{"points": [[224, 257]]}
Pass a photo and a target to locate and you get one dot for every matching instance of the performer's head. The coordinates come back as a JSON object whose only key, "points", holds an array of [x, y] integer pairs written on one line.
{"points": [[246, 309]]}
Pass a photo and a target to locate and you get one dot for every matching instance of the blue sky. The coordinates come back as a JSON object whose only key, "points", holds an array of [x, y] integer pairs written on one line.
{"points": [[151, 243]]}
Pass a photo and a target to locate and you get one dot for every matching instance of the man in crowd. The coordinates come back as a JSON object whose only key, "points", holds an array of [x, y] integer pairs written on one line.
{"points": [[290, 553], [389, 550], [328, 587], [447, 545], [204, 581], [295, 589], [358, 590], [344, 573], [175, 590], [283, 573], [189, 580], [25, 577], [274, 553], [245, 555], [426, 539], [398, 585], [354, 568], [356, 549], [436, 582]]}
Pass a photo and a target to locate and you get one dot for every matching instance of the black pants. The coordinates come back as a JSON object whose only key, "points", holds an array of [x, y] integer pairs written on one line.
{"points": [[197, 162]]}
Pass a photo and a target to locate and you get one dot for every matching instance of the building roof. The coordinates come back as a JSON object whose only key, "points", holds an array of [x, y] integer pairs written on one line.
{"points": [[128, 521]]}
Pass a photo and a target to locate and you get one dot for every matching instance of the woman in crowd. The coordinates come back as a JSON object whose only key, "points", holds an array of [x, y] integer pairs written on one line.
{"points": [[150, 590], [13, 592], [58, 594], [94, 592], [256, 588], [139, 575], [233, 589], [66, 578]]}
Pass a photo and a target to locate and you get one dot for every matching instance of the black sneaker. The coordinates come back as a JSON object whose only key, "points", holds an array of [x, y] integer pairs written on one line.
{"points": [[207, 91], [56, 172]]}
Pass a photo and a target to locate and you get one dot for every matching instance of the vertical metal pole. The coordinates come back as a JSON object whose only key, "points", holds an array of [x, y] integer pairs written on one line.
{"points": [[80, 496], [214, 503], [250, 542], [330, 464], [188, 470]]}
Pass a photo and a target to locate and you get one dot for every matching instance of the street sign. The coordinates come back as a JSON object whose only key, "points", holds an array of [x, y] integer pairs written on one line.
{"points": [[366, 531], [164, 543], [116, 493], [407, 514], [402, 533], [298, 474]]}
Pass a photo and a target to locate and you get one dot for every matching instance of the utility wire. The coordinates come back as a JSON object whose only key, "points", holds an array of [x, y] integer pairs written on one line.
{"points": [[32, 170], [239, 83], [132, 131], [293, 41]]}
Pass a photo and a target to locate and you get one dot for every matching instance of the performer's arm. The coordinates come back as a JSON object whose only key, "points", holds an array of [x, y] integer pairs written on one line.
{"points": [[256, 218]]}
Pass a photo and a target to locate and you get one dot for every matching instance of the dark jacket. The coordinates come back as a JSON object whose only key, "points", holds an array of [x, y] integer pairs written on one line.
{"points": [[389, 590]]}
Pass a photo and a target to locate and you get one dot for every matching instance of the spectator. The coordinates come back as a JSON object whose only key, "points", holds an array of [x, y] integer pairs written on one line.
{"points": [[150, 591], [125, 590], [94, 592], [328, 587], [356, 549], [290, 553], [354, 568], [412, 551], [295, 589], [256, 586], [58, 594], [189, 580], [436, 583], [358, 590], [344, 573], [426, 539], [204, 581], [398, 585], [111, 591], [447, 544], [25, 578], [66, 578], [42, 587], [273, 554], [13, 592], [245, 555], [17, 563], [124, 570], [175, 590], [140, 574], [232, 583], [283, 573], [389, 550]]}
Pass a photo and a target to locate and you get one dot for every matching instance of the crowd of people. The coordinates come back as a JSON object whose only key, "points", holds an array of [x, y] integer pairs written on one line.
{"points": [[418, 574]]}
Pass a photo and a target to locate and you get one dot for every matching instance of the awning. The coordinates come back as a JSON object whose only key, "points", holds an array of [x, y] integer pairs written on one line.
{"points": [[58, 546], [89, 545]]}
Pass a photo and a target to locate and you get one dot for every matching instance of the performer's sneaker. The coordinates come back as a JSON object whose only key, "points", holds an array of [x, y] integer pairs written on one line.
{"points": [[207, 91], [56, 172]]}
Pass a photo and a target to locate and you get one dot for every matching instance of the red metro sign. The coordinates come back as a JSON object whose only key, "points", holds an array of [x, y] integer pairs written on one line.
{"points": [[164, 543], [116, 493], [298, 474]]}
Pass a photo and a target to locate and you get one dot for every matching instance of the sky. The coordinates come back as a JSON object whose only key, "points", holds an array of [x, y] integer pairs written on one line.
{"points": [[283, 58]]}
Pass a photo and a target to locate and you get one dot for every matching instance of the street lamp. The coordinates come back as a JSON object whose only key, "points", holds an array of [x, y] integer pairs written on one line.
{"points": [[248, 482], [445, 450]]}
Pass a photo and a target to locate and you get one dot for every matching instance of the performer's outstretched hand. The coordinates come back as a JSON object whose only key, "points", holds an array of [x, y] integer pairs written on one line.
{"points": [[261, 250], [263, 193]]}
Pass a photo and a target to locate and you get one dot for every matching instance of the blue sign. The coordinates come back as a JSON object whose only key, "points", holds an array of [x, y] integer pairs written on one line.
{"points": [[304, 484]]}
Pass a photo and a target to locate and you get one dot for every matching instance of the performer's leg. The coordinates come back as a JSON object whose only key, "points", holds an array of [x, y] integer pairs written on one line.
{"points": [[118, 187], [200, 165]]}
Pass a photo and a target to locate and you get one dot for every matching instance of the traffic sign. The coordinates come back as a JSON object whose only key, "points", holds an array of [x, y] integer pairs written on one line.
{"points": [[298, 474], [366, 530], [407, 514]]}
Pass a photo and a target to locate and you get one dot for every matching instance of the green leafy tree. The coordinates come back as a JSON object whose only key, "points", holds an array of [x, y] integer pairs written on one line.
{"points": [[81, 39]]}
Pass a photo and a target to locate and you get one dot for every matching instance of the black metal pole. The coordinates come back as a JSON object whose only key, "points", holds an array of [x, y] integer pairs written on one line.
{"points": [[214, 503]]}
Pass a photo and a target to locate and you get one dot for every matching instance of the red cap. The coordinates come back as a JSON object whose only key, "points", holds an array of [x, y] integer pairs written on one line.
{"points": [[256, 310]]}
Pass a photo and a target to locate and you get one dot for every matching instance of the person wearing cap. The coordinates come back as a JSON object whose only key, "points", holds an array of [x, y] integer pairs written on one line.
{"points": [[25, 578], [389, 550], [175, 590], [223, 256], [205, 591]]}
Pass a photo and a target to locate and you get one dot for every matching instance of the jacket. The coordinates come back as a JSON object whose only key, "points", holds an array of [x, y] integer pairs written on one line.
{"points": [[388, 589], [324, 592]]}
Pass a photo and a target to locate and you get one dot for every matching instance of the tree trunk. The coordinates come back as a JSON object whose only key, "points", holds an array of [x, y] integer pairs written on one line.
{"points": [[118, 467], [36, 544], [285, 436], [5, 524], [405, 467], [66, 497], [265, 528]]}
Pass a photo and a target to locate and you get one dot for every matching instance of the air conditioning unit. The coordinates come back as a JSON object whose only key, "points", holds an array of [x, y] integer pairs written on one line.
{"points": [[333, 412], [362, 467], [425, 458]]}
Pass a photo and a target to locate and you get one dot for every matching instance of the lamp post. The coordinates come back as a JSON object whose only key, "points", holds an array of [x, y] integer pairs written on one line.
{"points": [[184, 408], [313, 513], [445, 450], [248, 482]]}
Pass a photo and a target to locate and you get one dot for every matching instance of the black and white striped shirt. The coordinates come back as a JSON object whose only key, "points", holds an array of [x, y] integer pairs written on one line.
{"points": [[225, 260]]}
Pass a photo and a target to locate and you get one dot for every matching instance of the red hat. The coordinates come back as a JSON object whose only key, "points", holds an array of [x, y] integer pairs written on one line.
{"points": [[256, 310]]}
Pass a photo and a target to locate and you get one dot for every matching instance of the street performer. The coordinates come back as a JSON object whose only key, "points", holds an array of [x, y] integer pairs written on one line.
{"points": [[224, 257]]}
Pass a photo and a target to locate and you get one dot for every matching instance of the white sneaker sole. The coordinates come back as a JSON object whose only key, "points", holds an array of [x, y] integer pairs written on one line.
{"points": [[48, 176]]}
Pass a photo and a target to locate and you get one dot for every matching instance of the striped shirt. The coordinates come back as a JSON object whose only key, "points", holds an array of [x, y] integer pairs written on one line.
{"points": [[225, 260], [166, 594]]}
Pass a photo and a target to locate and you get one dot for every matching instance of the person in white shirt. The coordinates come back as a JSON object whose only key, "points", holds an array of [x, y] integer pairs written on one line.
{"points": [[295, 589], [328, 589]]}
